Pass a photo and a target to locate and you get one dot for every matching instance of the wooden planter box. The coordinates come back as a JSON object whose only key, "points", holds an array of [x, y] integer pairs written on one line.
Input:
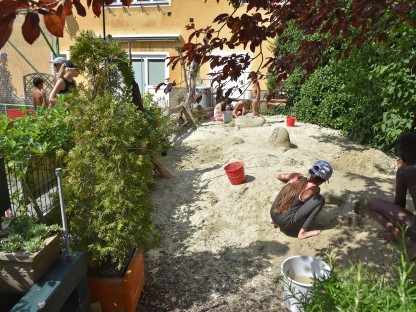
{"points": [[19, 271], [123, 293]]}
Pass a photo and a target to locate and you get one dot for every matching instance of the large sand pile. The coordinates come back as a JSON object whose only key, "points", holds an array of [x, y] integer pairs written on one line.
{"points": [[219, 252]]}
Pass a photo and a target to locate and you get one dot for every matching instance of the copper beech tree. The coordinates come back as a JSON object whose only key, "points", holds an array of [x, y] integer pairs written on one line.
{"points": [[356, 22]]}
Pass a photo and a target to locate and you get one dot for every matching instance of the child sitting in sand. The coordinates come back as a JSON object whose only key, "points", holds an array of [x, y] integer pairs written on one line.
{"points": [[393, 216], [300, 201], [240, 108], [219, 108]]}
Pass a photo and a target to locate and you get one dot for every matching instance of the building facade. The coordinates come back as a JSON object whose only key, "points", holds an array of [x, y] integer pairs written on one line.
{"points": [[150, 31]]}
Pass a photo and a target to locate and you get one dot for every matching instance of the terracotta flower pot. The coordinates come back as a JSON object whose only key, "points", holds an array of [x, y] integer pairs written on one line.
{"points": [[120, 293]]}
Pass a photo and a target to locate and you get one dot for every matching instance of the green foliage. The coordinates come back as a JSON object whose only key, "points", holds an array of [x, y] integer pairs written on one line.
{"points": [[23, 138], [322, 99], [399, 93], [363, 289], [107, 176], [370, 96], [24, 234], [42, 135], [103, 63], [159, 127]]}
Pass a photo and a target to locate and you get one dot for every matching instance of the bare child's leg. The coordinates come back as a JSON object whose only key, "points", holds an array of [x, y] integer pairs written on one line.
{"points": [[390, 216]]}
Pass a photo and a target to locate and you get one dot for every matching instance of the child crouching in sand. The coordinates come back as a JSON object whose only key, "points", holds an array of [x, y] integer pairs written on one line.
{"points": [[300, 201]]}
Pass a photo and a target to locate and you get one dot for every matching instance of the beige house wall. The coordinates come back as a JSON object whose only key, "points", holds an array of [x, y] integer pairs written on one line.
{"points": [[156, 21], [24, 58]]}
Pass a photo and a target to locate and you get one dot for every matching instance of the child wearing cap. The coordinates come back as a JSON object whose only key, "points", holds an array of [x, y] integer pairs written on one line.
{"points": [[394, 216], [300, 201]]}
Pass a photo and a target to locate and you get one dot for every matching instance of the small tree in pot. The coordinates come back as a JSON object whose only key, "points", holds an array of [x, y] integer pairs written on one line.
{"points": [[107, 178], [110, 167]]}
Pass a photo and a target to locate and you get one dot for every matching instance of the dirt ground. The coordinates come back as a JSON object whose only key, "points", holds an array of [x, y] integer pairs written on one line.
{"points": [[218, 251]]}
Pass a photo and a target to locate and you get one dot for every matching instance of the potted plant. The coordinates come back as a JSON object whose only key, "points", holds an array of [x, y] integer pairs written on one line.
{"points": [[107, 174], [27, 249], [27, 245]]}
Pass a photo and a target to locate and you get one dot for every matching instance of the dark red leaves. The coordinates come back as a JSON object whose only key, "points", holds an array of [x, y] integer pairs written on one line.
{"points": [[80, 8], [190, 26], [160, 85], [31, 28], [6, 27], [54, 23], [221, 18], [125, 2], [356, 23], [383, 37], [96, 7], [8, 12], [169, 87]]}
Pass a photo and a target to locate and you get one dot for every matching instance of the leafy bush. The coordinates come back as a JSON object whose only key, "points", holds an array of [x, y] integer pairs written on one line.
{"points": [[23, 233], [362, 289], [370, 96], [104, 64], [107, 176], [25, 137], [159, 127]]}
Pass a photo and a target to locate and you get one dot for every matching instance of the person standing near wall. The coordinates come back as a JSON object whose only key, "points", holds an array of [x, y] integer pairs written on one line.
{"points": [[255, 93], [65, 81]]}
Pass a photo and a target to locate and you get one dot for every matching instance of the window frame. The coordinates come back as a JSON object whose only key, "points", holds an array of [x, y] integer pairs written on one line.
{"points": [[146, 86], [141, 3]]}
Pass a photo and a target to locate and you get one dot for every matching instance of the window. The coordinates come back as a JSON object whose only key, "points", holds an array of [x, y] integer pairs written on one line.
{"points": [[118, 3], [149, 71]]}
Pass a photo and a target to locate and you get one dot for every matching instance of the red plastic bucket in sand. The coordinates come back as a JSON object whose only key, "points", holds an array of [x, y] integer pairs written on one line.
{"points": [[235, 172], [290, 121]]}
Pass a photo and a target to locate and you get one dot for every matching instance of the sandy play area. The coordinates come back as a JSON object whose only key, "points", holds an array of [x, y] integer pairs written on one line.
{"points": [[218, 250]]}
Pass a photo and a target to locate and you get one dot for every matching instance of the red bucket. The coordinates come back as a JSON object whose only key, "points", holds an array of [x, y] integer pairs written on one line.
{"points": [[235, 172], [290, 121]]}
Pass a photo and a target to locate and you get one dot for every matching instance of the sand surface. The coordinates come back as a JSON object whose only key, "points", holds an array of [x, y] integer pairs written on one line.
{"points": [[218, 250]]}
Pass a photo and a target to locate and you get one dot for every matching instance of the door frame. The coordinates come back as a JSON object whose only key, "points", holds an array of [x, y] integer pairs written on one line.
{"points": [[160, 97]]}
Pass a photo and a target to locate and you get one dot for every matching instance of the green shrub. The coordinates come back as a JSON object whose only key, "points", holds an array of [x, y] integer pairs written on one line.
{"points": [[23, 234], [23, 138], [371, 96], [106, 178], [159, 127], [363, 289]]}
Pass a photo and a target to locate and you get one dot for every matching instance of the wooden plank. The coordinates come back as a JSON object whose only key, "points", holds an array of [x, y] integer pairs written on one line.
{"points": [[51, 292]]}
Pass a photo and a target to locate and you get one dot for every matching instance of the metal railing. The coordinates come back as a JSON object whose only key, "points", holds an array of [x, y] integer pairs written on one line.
{"points": [[14, 111], [33, 192]]}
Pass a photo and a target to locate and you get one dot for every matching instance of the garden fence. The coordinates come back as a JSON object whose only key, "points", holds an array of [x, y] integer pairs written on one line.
{"points": [[36, 189]]}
